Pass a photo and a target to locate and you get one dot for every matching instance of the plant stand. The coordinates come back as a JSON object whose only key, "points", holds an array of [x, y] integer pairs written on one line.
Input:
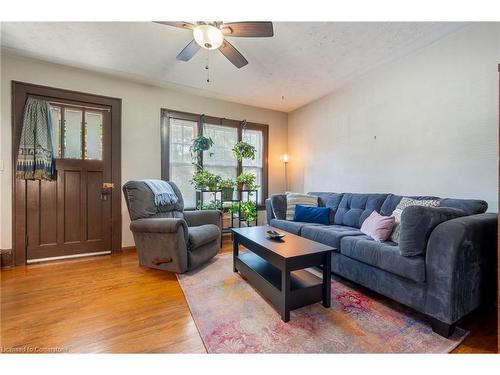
{"points": [[241, 195]]}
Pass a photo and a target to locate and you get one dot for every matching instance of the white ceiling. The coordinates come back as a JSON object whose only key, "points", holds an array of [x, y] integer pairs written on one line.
{"points": [[302, 62]]}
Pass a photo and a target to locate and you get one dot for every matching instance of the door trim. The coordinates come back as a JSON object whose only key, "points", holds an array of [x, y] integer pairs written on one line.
{"points": [[20, 91]]}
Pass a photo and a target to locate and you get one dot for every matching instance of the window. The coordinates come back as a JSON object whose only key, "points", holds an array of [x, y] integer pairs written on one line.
{"points": [[254, 137], [77, 133], [178, 131], [219, 159], [181, 169]]}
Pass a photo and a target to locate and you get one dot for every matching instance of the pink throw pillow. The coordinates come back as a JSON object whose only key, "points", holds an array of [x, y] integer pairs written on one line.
{"points": [[377, 226]]}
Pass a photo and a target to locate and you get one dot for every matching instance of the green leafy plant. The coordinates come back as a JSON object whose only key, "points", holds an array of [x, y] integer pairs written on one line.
{"points": [[248, 210], [200, 144], [203, 179], [227, 184], [212, 205], [226, 187], [243, 150], [246, 180]]}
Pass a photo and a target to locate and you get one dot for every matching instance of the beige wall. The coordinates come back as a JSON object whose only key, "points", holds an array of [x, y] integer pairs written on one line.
{"points": [[426, 124], [140, 124]]}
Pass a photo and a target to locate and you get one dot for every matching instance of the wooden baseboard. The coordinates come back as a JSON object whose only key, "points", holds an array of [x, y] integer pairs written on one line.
{"points": [[6, 259]]}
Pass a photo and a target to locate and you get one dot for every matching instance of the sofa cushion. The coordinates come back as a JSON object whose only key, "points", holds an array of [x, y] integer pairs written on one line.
{"points": [[354, 208], [293, 199], [383, 255], [393, 200], [320, 215], [417, 224], [330, 200], [469, 206], [294, 227], [202, 235], [377, 226], [278, 204], [403, 204], [330, 234]]}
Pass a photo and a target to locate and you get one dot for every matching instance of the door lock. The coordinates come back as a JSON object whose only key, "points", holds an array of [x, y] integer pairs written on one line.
{"points": [[107, 187]]}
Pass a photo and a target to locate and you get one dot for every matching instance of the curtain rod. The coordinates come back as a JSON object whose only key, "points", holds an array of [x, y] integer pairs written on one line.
{"points": [[71, 105], [78, 106]]}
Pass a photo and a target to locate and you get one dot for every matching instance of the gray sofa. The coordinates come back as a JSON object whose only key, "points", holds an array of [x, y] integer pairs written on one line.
{"points": [[452, 263], [167, 237]]}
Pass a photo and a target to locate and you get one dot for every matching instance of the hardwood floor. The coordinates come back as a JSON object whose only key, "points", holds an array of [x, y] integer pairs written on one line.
{"points": [[111, 304]]}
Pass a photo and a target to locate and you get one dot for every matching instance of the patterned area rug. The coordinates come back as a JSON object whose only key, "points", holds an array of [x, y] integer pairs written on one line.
{"points": [[232, 317]]}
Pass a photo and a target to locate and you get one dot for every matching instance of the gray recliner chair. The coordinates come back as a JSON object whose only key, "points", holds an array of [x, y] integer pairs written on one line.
{"points": [[167, 237]]}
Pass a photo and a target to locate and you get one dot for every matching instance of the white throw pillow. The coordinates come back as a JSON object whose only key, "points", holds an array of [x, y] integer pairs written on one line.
{"points": [[292, 199], [406, 202]]}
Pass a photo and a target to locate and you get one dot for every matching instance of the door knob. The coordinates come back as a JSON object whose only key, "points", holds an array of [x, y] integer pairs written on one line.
{"points": [[108, 185]]}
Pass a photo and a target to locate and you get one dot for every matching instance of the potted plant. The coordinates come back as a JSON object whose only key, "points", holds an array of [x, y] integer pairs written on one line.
{"points": [[247, 210], [200, 144], [246, 181], [227, 188], [203, 179], [244, 150], [212, 205]]}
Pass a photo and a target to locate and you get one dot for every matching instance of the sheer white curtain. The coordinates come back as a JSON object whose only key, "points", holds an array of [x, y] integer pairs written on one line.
{"points": [[181, 134], [255, 138]]}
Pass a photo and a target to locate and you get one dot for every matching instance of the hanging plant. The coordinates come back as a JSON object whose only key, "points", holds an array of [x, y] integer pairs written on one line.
{"points": [[243, 150], [201, 143]]}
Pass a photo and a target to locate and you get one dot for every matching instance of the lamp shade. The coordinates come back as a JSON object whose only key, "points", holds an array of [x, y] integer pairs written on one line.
{"points": [[284, 158]]}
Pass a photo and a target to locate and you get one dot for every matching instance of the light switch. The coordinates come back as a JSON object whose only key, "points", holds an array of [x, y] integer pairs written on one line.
{"points": [[1, 165]]}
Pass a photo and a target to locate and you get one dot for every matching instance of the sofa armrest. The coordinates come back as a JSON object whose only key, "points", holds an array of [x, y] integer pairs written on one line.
{"points": [[461, 266], [417, 224], [201, 217], [269, 211]]}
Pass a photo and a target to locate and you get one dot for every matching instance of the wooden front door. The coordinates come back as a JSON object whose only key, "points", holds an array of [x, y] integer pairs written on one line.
{"points": [[72, 215]]}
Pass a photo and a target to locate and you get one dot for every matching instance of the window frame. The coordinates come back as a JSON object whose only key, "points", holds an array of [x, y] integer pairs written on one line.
{"points": [[167, 114]]}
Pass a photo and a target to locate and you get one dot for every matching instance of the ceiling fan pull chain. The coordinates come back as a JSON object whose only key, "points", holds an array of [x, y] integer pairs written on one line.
{"points": [[207, 66]]}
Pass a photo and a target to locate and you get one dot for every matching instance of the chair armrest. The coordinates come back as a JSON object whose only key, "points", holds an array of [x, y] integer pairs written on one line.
{"points": [[158, 225], [461, 266], [417, 224], [201, 217]]}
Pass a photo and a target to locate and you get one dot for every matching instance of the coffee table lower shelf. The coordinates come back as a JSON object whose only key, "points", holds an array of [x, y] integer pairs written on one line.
{"points": [[305, 287]]}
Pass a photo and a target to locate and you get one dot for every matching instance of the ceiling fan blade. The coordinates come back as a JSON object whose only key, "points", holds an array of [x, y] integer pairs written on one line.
{"points": [[232, 54], [248, 29], [188, 51], [181, 24]]}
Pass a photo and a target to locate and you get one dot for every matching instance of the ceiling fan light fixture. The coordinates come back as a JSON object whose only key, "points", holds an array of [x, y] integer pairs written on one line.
{"points": [[208, 36]]}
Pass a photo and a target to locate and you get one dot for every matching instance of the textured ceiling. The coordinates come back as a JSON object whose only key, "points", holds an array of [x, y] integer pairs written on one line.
{"points": [[302, 62]]}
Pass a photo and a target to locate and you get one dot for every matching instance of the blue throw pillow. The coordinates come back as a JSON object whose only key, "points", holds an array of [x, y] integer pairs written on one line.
{"points": [[319, 215]]}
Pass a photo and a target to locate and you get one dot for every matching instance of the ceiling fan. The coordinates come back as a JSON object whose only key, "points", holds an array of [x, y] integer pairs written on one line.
{"points": [[212, 35]]}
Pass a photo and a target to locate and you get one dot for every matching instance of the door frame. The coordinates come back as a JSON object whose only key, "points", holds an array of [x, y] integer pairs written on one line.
{"points": [[20, 91]]}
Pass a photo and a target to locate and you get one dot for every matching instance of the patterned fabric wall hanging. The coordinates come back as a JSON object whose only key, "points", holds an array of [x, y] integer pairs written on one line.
{"points": [[35, 160]]}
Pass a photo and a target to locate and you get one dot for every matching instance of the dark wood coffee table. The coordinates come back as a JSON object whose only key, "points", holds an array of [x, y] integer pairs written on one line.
{"points": [[276, 268]]}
